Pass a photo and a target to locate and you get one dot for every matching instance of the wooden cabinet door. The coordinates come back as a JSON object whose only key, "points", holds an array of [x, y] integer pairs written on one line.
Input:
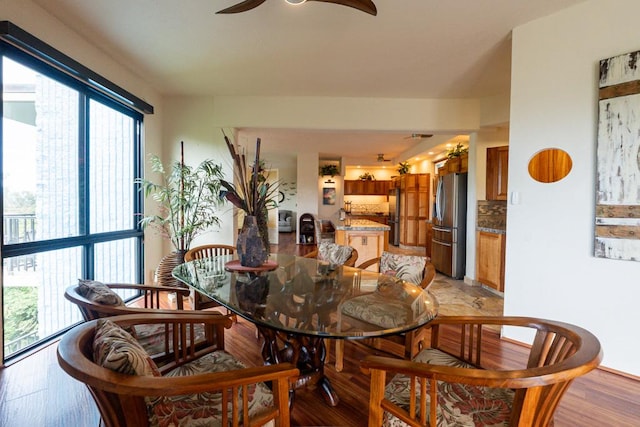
{"points": [[428, 237], [490, 248], [414, 202], [368, 244], [382, 187], [352, 187], [497, 172]]}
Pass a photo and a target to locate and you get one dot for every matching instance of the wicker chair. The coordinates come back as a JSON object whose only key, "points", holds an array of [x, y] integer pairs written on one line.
{"points": [[195, 384], [449, 382], [403, 345]]}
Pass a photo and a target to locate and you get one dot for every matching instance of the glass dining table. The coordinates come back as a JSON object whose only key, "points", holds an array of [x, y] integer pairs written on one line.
{"points": [[296, 303]]}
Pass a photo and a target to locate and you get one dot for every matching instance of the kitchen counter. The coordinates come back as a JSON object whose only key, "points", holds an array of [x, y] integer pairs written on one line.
{"points": [[360, 225], [491, 230]]}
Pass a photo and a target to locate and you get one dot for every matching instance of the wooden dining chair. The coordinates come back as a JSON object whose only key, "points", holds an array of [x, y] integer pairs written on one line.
{"points": [[449, 383], [199, 301], [335, 253], [186, 384], [411, 268]]}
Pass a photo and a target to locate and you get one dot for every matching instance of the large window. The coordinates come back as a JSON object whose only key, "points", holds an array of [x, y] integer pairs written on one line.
{"points": [[70, 155]]}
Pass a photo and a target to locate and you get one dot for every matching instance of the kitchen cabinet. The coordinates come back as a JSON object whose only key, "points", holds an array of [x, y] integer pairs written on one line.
{"points": [[370, 243], [414, 209], [353, 187], [458, 164], [490, 250], [429, 237], [497, 172], [367, 188]]}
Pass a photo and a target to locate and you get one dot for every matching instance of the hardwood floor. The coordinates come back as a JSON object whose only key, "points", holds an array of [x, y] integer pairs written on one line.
{"points": [[36, 392]]}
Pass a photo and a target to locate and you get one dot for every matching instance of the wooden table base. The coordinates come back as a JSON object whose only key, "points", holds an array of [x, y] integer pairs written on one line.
{"points": [[305, 352]]}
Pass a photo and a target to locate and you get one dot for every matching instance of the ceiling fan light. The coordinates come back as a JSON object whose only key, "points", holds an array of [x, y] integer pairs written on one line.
{"points": [[295, 2]]}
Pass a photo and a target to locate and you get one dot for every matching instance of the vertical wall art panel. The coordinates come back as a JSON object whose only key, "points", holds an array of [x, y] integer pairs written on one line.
{"points": [[618, 159]]}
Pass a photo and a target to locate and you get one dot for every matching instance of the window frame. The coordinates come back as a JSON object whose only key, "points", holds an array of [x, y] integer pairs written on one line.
{"points": [[29, 51]]}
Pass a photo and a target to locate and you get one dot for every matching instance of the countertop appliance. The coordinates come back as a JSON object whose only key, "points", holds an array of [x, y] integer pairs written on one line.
{"points": [[448, 247], [394, 216]]}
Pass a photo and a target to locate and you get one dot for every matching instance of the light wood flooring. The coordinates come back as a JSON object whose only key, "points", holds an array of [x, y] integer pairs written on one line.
{"points": [[36, 392]]}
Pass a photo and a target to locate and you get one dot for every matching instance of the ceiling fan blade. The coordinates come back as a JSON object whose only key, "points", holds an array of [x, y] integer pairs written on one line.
{"points": [[362, 5], [418, 136], [242, 6]]}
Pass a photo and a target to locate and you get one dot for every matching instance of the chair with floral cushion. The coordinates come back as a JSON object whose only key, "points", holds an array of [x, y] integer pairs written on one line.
{"points": [[367, 308], [97, 300], [450, 384], [196, 386], [335, 254]]}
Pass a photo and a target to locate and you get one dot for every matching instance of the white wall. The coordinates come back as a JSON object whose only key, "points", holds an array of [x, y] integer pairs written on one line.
{"points": [[550, 268], [191, 122]]}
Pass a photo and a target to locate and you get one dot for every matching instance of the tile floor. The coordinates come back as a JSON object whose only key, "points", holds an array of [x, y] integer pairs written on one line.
{"points": [[457, 298]]}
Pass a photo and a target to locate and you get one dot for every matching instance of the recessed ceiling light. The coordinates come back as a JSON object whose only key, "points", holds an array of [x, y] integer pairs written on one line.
{"points": [[430, 153]]}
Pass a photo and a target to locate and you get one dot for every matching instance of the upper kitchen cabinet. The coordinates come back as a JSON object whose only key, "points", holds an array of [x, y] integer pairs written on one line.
{"points": [[497, 172], [367, 188]]}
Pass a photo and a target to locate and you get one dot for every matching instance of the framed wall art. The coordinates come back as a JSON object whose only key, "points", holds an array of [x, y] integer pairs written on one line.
{"points": [[617, 228], [328, 196]]}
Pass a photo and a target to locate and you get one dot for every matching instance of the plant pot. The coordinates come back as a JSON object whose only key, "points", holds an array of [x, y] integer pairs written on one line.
{"points": [[250, 245]]}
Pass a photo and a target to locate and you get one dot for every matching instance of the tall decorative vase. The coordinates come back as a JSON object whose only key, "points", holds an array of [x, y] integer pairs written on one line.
{"points": [[166, 266], [250, 246]]}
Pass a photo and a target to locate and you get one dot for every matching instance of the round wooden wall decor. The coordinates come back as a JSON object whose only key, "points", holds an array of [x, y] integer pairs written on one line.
{"points": [[550, 165]]}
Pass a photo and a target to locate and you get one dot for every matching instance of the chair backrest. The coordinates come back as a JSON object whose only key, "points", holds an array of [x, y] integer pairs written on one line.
{"points": [[151, 300], [208, 251], [560, 352], [350, 262], [428, 273]]}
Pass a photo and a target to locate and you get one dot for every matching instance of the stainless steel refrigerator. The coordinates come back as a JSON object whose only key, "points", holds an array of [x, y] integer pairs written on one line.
{"points": [[394, 216], [448, 247]]}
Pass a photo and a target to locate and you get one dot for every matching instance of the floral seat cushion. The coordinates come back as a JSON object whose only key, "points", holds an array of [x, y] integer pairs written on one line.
{"points": [[459, 405], [374, 309], [334, 253], [205, 409], [406, 267]]}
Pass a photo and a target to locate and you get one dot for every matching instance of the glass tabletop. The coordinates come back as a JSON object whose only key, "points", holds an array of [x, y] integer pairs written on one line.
{"points": [[311, 297]]}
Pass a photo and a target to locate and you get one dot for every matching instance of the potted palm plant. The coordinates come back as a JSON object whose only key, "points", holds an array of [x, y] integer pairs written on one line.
{"points": [[188, 199]]}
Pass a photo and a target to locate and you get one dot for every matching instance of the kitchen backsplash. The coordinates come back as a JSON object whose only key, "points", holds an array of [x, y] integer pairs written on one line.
{"points": [[369, 208], [492, 214]]}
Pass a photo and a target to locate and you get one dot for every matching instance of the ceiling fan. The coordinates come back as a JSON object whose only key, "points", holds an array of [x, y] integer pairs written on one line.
{"points": [[418, 136], [382, 159], [366, 6]]}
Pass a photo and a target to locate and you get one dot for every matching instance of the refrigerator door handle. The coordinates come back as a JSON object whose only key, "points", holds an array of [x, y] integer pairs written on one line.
{"points": [[439, 199]]}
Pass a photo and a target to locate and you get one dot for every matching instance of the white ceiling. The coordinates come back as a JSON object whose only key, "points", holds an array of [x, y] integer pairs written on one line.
{"points": [[411, 49]]}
